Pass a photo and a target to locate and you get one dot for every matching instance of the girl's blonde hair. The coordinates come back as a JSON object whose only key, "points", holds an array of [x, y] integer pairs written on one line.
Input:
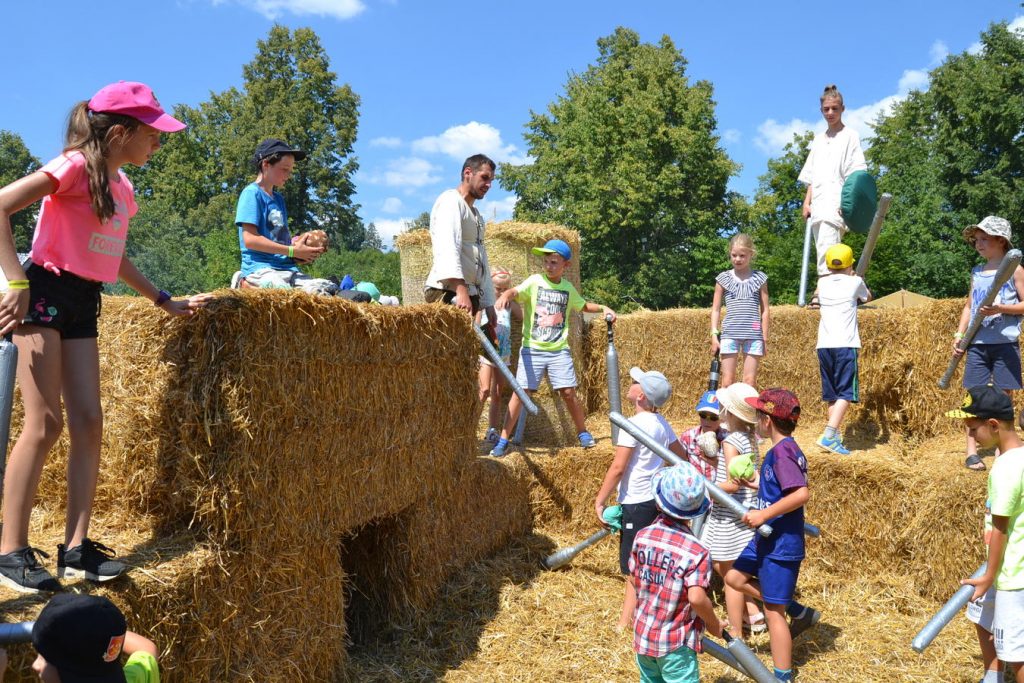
{"points": [[832, 92], [89, 133], [739, 424], [741, 240], [501, 275]]}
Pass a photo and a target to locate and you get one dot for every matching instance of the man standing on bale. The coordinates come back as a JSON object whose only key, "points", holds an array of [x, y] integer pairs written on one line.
{"points": [[460, 273]]}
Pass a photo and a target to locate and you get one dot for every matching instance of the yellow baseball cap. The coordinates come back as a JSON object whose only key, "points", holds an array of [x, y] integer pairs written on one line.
{"points": [[839, 257]]}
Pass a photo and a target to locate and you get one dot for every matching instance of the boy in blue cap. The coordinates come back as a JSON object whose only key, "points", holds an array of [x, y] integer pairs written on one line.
{"points": [[709, 411], [547, 299]]}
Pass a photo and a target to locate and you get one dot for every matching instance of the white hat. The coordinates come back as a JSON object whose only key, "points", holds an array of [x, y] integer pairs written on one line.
{"points": [[990, 225], [734, 399]]}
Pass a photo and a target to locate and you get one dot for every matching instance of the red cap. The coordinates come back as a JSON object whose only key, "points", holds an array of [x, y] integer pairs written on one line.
{"points": [[137, 101], [780, 403]]}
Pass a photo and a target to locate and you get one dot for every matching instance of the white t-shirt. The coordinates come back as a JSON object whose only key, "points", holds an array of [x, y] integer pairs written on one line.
{"points": [[838, 295], [635, 485], [831, 160]]}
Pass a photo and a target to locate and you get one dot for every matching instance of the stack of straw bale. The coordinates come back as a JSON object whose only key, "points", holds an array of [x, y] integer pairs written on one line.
{"points": [[509, 246], [263, 434]]}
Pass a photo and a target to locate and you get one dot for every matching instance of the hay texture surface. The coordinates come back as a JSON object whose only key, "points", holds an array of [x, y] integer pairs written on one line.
{"points": [[509, 246]]}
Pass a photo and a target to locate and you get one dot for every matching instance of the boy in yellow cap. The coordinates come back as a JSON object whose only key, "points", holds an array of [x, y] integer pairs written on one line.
{"points": [[839, 293]]}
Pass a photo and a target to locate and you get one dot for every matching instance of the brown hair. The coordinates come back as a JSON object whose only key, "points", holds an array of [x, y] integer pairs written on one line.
{"points": [[89, 133], [831, 91]]}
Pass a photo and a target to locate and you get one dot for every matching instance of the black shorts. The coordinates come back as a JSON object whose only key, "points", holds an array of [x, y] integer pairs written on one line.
{"points": [[635, 516], [65, 302]]}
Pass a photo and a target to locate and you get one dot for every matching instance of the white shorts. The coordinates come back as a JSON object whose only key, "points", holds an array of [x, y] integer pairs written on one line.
{"points": [[1009, 626], [557, 364], [826, 233], [750, 347], [982, 610]]}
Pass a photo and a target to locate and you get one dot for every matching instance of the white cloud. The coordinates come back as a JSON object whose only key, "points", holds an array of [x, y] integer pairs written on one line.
{"points": [[406, 172], [386, 141], [772, 136], [731, 136], [387, 228], [272, 9], [497, 209], [938, 53], [1017, 24], [459, 142], [392, 205], [912, 79]]}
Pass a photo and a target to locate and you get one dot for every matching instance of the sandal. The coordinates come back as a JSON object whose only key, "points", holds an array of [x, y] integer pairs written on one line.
{"points": [[755, 624], [974, 463], [814, 303]]}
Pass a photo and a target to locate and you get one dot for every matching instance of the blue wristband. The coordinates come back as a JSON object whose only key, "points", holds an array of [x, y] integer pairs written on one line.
{"points": [[162, 298]]}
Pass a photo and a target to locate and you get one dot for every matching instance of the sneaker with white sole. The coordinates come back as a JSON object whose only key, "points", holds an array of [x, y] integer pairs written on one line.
{"points": [[90, 560], [586, 439], [808, 618], [835, 445], [21, 571], [492, 436], [500, 448]]}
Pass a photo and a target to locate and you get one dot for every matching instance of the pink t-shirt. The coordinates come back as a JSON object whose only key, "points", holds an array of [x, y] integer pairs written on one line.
{"points": [[68, 233]]}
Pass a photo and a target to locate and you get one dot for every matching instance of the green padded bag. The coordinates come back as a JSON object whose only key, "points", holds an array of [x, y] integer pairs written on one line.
{"points": [[859, 201]]}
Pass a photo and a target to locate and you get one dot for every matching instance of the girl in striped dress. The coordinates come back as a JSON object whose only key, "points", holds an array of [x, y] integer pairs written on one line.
{"points": [[723, 535], [745, 294]]}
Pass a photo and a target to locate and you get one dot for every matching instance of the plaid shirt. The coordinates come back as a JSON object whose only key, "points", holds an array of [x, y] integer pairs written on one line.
{"points": [[689, 442], [666, 560]]}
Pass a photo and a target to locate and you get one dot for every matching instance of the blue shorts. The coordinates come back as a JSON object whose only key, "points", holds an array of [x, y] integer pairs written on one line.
{"points": [[777, 577], [635, 516], [557, 364], [838, 369], [678, 666], [995, 363], [750, 347]]}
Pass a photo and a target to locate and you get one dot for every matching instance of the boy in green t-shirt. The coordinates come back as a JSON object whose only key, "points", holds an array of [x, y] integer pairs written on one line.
{"points": [[547, 299], [988, 414]]}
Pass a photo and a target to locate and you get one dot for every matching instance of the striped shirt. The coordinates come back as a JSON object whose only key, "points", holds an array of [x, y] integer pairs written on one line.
{"points": [[666, 561], [742, 304], [724, 535]]}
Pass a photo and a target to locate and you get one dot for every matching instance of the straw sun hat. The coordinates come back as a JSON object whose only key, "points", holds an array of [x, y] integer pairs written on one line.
{"points": [[733, 399]]}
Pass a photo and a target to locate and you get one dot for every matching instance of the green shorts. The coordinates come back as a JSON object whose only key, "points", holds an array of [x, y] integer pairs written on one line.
{"points": [[678, 666]]}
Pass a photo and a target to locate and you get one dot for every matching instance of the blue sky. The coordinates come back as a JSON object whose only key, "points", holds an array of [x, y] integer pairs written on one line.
{"points": [[440, 80]]}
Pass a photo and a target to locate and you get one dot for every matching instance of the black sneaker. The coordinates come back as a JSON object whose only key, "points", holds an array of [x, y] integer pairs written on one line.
{"points": [[808, 618], [91, 560], [21, 571]]}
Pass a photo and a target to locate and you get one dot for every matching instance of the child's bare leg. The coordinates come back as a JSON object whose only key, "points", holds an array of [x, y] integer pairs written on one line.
{"points": [[628, 606], [988, 649], [85, 428], [483, 384], [836, 412], [728, 369], [750, 363], [1018, 671], [494, 411], [778, 631], [43, 423], [734, 600], [514, 406], [744, 583], [568, 395]]}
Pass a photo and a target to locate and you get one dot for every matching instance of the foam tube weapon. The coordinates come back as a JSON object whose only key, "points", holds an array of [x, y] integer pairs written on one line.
{"points": [[747, 660], [721, 654], [612, 515], [1009, 264], [945, 614], [717, 494], [8, 369], [492, 353], [612, 362], [876, 227], [801, 299], [18, 632]]}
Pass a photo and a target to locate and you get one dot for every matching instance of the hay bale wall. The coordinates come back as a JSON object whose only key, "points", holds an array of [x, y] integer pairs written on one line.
{"points": [[508, 246], [904, 353], [265, 431]]}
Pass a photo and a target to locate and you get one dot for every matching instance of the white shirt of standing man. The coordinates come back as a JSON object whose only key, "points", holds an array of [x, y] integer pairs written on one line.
{"points": [[457, 239]]}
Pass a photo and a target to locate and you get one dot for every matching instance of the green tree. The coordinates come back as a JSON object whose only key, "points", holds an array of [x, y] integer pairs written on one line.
{"points": [[629, 157], [16, 162]]}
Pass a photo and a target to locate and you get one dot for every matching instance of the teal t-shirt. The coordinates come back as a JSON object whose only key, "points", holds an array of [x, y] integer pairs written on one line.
{"points": [[546, 307], [1006, 498]]}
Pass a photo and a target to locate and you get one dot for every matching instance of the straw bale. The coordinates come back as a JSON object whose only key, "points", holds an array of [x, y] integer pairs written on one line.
{"points": [[904, 353], [509, 245]]}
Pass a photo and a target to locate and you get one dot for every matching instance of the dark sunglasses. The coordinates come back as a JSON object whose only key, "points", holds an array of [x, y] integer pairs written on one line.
{"points": [[708, 416]]}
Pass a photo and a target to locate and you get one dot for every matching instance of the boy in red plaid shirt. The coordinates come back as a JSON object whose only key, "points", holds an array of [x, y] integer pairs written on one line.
{"points": [[672, 572]]}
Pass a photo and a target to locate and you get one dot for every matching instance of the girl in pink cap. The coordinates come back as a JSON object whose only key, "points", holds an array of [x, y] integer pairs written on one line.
{"points": [[52, 305]]}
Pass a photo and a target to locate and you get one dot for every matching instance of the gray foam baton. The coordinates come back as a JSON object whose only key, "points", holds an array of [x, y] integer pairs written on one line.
{"points": [[492, 353], [1006, 268], [721, 654], [8, 369], [747, 660], [873, 231], [717, 494], [945, 614], [613, 518], [16, 632], [612, 361]]}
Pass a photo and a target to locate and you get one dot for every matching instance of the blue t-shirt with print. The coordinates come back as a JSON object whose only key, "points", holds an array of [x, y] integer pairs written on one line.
{"points": [[269, 215], [784, 468]]}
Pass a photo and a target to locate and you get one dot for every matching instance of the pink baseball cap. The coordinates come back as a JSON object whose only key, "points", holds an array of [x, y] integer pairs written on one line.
{"points": [[136, 100]]}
